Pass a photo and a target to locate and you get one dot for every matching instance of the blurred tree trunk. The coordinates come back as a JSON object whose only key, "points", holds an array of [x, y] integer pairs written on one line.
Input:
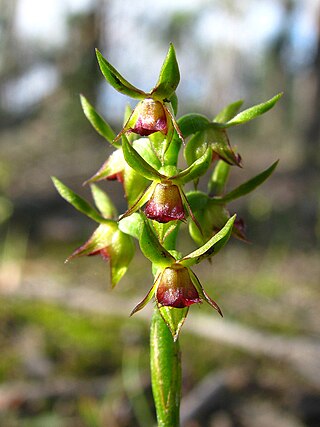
{"points": [[312, 136]]}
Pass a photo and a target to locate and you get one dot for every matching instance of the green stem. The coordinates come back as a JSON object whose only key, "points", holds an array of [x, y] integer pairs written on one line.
{"points": [[165, 364]]}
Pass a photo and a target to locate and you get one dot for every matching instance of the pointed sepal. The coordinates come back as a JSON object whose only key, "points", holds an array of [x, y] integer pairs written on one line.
{"points": [[212, 247], [99, 124], [103, 202], [113, 245], [116, 80], [77, 201], [228, 112], [169, 76], [253, 112], [152, 249], [249, 185], [136, 162], [195, 170], [174, 319]]}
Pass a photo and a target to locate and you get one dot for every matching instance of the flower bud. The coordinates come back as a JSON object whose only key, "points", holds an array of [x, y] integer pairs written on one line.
{"points": [[176, 289], [149, 116], [165, 204], [113, 245]]}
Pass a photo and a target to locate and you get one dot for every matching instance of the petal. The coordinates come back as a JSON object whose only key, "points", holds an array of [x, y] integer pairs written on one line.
{"points": [[176, 288]]}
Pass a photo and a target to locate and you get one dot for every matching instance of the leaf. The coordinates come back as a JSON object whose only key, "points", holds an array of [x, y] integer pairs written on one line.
{"points": [[174, 318], [137, 163], [198, 168], [152, 249], [77, 202], [254, 111], [103, 202], [169, 76], [212, 247], [99, 124], [228, 112], [115, 79], [248, 186]]}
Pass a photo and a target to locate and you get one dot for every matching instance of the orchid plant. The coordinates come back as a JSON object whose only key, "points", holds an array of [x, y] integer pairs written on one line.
{"points": [[145, 161]]}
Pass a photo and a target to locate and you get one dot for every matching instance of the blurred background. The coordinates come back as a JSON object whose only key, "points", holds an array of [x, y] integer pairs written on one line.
{"points": [[70, 356]]}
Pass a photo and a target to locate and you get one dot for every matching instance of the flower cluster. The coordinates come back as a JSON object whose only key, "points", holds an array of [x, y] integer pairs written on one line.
{"points": [[145, 161]]}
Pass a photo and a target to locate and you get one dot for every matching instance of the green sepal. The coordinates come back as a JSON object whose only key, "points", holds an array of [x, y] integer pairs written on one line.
{"points": [[152, 249], [99, 124], [126, 116], [100, 239], [146, 150], [248, 186], [218, 178], [212, 247], [121, 253], [134, 185], [174, 319], [103, 202], [113, 165], [118, 246], [174, 102], [195, 170], [171, 155], [159, 143], [228, 112], [115, 79], [202, 293], [141, 201], [147, 298], [192, 123], [195, 147], [137, 163], [219, 141], [132, 225], [169, 76], [253, 112], [211, 219], [167, 233], [197, 200], [77, 201]]}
